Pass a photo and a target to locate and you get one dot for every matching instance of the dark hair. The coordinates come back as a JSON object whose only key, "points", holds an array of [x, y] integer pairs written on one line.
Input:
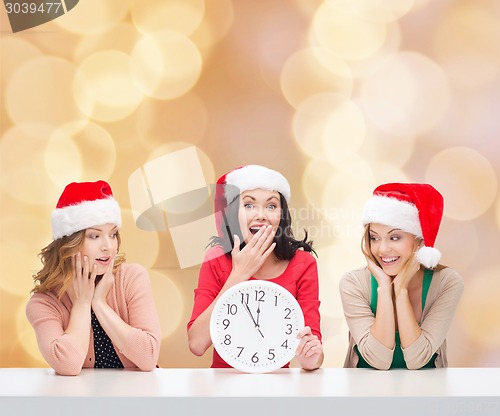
{"points": [[286, 244]]}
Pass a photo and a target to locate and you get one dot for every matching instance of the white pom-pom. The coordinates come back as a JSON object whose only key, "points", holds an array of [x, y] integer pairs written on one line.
{"points": [[428, 257]]}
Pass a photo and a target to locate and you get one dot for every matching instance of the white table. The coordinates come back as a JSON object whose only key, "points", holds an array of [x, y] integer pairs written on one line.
{"points": [[332, 391]]}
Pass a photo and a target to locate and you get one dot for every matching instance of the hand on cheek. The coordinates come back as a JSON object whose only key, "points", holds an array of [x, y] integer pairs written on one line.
{"points": [[81, 289], [104, 285]]}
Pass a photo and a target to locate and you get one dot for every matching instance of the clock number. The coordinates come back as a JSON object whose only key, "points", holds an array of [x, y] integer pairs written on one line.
{"points": [[259, 295], [227, 339], [226, 323], [241, 350], [232, 309], [255, 359], [271, 354], [287, 316], [244, 298], [275, 300], [289, 330], [285, 344]]}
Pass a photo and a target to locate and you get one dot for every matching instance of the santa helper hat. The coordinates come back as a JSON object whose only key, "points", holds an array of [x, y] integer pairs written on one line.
{"points": [[83, 205], [412, 207], [246, 178]]}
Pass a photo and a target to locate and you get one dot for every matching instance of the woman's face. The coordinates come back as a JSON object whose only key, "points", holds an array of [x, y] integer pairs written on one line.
{"points": [[100, 246], [391, 246], [258, 208]]}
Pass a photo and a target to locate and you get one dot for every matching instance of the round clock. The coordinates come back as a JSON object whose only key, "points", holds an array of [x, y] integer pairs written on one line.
{"points": [[254, 326]]}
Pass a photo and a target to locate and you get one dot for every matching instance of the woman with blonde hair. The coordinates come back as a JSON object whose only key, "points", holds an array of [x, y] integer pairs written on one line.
{"points": [[400, 307]]}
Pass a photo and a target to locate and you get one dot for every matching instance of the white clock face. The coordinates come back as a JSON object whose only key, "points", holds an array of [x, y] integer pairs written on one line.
{"points": [[254, 326]]}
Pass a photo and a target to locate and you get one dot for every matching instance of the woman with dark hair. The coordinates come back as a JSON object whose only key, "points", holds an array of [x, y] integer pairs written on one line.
{"points": [[255, 241]]}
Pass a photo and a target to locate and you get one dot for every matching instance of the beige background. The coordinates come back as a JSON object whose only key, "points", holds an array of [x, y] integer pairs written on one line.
{"points": [[338, 95]]}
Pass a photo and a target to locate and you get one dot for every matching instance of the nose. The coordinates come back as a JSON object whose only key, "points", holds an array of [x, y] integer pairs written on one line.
{"points": [[106, 244], [384, 246], [260, 213]]}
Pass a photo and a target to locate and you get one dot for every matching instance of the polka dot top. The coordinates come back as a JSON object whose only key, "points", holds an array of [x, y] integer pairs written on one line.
{"points": [[105, 354]]}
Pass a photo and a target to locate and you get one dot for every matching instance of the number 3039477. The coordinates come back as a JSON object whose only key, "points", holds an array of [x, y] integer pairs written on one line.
{"points": [[32, 8]]}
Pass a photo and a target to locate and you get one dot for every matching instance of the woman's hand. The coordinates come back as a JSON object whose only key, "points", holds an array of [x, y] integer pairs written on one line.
{"points": [[403, 279], [309, 352], [81, 289], [104, 285], [249, 260], [381, 277]]}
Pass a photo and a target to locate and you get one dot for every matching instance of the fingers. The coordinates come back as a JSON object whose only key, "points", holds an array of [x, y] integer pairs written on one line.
{"points": [[265, 238], [377, 271], [85, 266], [237, 243], [309, 344], [247, 262], [82, 267], [255, 238], [82, 286], [304, 331], [372, 266], [269, 251], [262, 238], [93, 274], [261, 242], [78, 264]]}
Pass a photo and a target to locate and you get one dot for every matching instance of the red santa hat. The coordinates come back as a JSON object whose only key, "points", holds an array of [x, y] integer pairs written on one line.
{"points": [[246, 178], [413, 207], [83, 205]]}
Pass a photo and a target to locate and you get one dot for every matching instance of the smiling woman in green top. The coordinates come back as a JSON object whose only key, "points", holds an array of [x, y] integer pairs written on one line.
{"points": [[399, 308]]}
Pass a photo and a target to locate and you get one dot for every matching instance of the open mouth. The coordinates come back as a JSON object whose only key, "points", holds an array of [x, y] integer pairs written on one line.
{"points": [[103, 260], [389, 260], [255, 229]]}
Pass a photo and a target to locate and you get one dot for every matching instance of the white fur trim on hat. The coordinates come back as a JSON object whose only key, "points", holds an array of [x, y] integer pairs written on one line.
{"points": [[428, 256], [394, 213], [255, 177], [73, 218]]}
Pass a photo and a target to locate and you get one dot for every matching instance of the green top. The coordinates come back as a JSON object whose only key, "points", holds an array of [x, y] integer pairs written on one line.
{"points": [[398, 360]]}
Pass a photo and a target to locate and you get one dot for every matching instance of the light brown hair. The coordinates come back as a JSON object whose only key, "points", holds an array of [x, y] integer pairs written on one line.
{"points": [[57, 271]]}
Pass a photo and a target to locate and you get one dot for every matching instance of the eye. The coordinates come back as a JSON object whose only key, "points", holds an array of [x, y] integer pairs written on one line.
{"points": [[92, 236], [114, 235], [271, 207], [394, 237], [248, 205], [373, 238]]}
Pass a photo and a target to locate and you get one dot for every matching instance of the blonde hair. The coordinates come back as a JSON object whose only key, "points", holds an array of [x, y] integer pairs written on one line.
{"points": [[57, 271]]}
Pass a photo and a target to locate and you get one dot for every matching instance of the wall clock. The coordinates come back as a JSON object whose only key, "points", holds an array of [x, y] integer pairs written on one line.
{"points": [[254, 326]]}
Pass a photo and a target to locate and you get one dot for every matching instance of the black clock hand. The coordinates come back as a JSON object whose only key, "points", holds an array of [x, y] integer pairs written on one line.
{"points": [[251, 316], [258, 313], [250, 313], [258, 324]]}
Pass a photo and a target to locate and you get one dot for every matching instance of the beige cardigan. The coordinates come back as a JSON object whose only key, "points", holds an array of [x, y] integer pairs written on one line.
{"points": [[442, 299]]}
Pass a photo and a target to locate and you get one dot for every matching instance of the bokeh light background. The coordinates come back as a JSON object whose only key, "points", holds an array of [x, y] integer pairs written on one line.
{"points": [[338, 95]]}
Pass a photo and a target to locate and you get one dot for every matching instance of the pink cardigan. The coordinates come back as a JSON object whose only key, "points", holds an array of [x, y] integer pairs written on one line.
{"points": [[130, 297]]}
